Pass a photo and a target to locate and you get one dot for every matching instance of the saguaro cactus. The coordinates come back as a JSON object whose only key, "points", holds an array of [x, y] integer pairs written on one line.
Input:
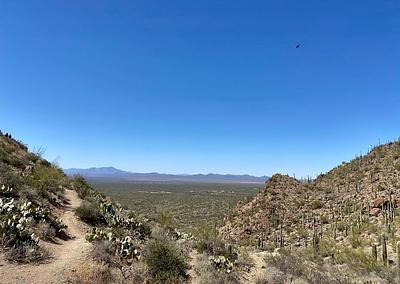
{"points": [[384, 250], [374, 252]]}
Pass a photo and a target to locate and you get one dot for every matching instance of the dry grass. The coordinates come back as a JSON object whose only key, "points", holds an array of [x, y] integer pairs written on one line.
{"points": [[92, 273], [209, 275], [28, 254]]}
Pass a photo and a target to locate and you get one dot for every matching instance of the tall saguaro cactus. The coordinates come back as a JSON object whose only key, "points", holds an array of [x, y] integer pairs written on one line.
{"points": [[374, 252], [384, 250]]}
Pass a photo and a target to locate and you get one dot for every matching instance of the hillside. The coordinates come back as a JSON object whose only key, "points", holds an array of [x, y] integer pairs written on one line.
{"points": [[352, 208], [342, 227], [111, 174], [57, 229]]}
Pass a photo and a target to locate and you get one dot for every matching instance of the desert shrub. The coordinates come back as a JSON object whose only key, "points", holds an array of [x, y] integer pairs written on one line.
{"points": [[82, 187], [210, 242], [9, 178], [32, 157], [324, 219], [90, 213], [341, 226], [27, 254], [47, 179], [89, 273], [136, 273], [357, 259], [15, 162], [45, 231], [102, 252], [164, 262], [160, 233], [288, 264], [166, 219], [273, 276], [244, 259], [316, 204], [210, 275]]}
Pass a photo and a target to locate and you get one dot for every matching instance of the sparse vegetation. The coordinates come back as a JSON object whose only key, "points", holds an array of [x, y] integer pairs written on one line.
{"points": [[339, 227], [185, 205], [165, 263], [90, 213]]}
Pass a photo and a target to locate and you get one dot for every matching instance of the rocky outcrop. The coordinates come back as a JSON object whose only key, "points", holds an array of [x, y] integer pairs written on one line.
{"points": [[292, 212]]}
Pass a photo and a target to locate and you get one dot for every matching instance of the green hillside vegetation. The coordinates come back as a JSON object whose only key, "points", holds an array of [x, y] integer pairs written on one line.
{"points": [[188, 203]]}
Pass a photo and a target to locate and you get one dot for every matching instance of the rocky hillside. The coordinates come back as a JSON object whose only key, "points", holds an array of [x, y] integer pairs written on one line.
{"points": [[288, 210], [355, 205]]}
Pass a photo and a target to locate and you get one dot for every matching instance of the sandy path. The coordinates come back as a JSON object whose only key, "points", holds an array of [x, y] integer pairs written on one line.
{"points": [[258, 270], [67, 254], [194, 277]]}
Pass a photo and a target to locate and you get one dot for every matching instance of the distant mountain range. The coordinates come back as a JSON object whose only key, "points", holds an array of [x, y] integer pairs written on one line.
{"points": [[111, 174]]}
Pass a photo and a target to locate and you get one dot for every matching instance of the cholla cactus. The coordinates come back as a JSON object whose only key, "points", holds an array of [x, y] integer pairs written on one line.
{"points": [[221, 263]]}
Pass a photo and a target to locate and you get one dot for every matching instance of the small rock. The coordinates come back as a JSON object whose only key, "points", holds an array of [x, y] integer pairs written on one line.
{"points": [[126, 271], [374, 212], [378, 202]]}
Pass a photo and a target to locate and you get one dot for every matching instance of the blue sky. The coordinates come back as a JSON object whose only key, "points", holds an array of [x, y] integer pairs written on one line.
{"points": [[201, 86]]}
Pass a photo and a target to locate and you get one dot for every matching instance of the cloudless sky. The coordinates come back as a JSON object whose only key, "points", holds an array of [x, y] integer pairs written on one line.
{"points": [[201, 86]]}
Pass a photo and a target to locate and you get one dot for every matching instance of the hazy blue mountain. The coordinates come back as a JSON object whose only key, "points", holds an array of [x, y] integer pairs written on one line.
{"points": [[112, 174]]}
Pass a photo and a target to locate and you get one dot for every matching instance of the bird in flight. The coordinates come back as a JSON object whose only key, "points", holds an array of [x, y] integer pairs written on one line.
{"points": [[297, 46]]}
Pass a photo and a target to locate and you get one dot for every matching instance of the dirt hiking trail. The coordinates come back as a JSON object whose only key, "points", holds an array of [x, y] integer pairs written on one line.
{"points": [[65, 254]]}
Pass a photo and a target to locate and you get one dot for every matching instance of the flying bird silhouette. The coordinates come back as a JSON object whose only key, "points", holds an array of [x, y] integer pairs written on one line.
{"points": [[297, 46]]}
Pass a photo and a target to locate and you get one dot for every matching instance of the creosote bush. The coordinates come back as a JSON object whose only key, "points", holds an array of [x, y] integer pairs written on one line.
{"points": [[165, 263], [90, 213], [90, 273], [81, 186]]}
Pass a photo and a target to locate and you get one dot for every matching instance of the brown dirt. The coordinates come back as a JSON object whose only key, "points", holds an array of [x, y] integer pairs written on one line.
{"points": [[194, 277], [258, 269], [66, 254]]}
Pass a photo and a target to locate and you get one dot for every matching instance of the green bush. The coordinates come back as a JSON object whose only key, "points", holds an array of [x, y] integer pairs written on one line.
{"points": [[9, 177], [82, 187], [165, 263], [166, 219], [90, 213], [211, 243], [316, 204], [47, 179]]}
